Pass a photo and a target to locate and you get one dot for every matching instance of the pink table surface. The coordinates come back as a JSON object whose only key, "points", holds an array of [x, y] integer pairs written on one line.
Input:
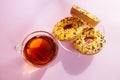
{"points": [[20, 17]]}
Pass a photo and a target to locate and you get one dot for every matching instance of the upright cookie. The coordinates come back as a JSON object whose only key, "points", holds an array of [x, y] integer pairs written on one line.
{"points": [[87, 17]]}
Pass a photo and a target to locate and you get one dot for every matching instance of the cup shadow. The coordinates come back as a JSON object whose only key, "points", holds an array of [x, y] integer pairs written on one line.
{"points": [[17, 69], [36, 73], [33, 73], [74, 64]]}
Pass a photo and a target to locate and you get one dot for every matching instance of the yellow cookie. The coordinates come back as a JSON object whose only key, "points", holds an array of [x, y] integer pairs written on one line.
{"points": [[68, 29], [87, 17], [90, 42]]}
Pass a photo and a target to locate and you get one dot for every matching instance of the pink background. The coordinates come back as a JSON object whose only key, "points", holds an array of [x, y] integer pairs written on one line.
{"points": [[20, 17]]}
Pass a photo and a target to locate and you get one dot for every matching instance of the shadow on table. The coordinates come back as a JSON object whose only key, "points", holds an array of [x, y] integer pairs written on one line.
{"points": [[74, 64], [18, 69]]}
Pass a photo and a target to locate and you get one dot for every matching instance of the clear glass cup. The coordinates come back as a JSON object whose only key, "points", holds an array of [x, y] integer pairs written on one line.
{"points": [[38, 48]]}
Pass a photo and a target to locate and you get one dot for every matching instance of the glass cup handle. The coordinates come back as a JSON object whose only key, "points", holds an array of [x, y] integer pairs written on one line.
{"points": [[19, 48]]}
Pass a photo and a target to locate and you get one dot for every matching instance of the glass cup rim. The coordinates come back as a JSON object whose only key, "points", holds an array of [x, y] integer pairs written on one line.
{"points": [[36, 32]]}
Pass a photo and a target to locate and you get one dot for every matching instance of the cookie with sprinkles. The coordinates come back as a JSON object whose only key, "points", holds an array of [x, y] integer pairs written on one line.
{"points": [[90, 42], [68, 29], [87, 17]]}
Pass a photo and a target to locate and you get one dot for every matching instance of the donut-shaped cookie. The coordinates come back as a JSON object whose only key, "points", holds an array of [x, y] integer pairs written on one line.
{"points": [[90, 42], [68, 29]]}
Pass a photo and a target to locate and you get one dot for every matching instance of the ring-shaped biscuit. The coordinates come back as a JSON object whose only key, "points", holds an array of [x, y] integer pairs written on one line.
{"points": [[90, 42], [68, 29]]}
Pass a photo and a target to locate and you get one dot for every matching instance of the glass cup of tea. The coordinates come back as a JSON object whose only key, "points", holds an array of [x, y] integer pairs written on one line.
{"points": [[39, 48]]}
